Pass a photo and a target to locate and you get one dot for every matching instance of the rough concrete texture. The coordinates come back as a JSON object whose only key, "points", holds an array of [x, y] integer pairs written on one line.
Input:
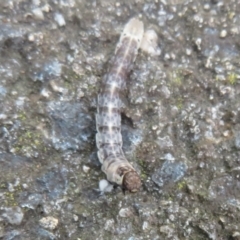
{"points": [[180, 121]]}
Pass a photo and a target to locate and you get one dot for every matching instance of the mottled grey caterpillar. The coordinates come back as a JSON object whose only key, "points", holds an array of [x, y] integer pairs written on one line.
{"points": [[109, 139]]}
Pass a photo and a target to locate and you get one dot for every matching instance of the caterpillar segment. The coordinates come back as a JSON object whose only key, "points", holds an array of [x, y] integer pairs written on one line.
{"points": [[108, 119]]}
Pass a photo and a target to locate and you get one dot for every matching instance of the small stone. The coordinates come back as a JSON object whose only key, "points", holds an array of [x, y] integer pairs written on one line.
{"points": [[49, 222], [223, 33], [165, 91], [10, 187], [86, 168], [149, 43], [109, 225], [31, 38], [37, 38], [25, 186], [225, 90], [56, 88], [166, 56], [75, 217], [2, 234], [38, 14], [226, 133], [222, 219], [13, 215], [234, 31], [105, 186], [145, 226], [209, 230], [165, 142], [171, 171], [169, 157], [3, 116], [80, 93], [188, 51], [201, 164], [169, 230], [45, 93], [36, 2], [154, 127], [237, 140], [59, 19], [206, 6], [173, 56], [198, 43], [236, 234], [125, 212], [3, 91], [46, 8]]}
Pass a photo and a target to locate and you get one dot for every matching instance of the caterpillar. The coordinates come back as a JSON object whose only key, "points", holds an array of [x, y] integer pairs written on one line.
{"points": [[108, 119]]}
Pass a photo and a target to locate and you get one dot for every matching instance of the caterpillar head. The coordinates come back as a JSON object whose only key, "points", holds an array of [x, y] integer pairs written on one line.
{"points": [[131, 182]]}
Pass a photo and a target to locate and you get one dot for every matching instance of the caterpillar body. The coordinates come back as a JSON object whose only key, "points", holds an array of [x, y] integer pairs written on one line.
{"points": [[108, 119]]}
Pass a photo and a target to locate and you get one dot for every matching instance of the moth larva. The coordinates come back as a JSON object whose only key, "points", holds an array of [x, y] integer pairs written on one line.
{"points": [[108, 119]]}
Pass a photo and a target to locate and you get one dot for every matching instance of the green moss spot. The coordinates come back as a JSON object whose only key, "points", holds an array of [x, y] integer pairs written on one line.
{"points": [[143, 176], [181, 185], [179, 103], [231, 15], [177, 77], [22, 116], [232, 78], [28, 142], [3, 186]]}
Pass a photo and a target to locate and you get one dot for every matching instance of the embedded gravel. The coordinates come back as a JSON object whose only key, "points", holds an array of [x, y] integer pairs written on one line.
{"points": [[180, 120]]}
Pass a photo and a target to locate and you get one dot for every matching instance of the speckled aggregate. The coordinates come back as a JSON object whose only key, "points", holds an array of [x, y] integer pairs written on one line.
{"points": [[179, 108]]}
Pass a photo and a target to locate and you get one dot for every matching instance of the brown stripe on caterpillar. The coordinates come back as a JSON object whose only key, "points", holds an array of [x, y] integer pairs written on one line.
{"points": [[108, 119]]}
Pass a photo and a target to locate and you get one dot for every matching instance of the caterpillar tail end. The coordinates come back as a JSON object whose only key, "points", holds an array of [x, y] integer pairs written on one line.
{"points": [[131, 182]]}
